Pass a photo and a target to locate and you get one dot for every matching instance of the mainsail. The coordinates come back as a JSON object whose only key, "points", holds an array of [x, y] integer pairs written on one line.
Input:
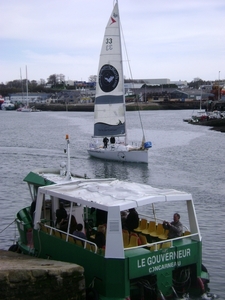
{"points": [[109, 113]]}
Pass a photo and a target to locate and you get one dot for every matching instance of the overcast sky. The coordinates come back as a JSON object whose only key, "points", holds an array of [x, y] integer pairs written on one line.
{"points": [[174, 39]]}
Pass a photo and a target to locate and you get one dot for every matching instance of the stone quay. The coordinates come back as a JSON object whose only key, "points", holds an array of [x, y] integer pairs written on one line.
{"points": [[25, 277]]}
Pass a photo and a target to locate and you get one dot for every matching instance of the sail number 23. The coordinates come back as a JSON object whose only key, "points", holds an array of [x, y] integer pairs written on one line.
{"points": [[109, 45]]}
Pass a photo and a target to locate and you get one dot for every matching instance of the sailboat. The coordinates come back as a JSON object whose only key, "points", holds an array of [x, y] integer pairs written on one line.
{"points": [[26, 108], [110, 108], [201, 114]]}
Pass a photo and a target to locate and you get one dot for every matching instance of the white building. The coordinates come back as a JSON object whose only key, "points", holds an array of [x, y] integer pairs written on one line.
{"points": [[30, 98]]}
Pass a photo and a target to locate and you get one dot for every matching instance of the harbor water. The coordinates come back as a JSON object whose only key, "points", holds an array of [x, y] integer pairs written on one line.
{"points": [[185, 157]]}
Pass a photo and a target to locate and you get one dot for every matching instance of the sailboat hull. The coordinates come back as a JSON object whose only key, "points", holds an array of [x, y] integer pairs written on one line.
{"points": [[120, 153]]}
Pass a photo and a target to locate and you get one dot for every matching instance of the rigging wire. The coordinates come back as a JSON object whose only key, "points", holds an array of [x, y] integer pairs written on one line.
{"points": [[129, 68], [7, 226]]}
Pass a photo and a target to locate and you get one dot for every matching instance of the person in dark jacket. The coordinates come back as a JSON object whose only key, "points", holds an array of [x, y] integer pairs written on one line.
{"points": [[105, 142], [61, 214], [100, 236], [132, 220], [101, 217], [63, 225]]}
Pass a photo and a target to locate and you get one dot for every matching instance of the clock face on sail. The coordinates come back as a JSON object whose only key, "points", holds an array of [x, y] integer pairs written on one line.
{"points": [[108, 78]]}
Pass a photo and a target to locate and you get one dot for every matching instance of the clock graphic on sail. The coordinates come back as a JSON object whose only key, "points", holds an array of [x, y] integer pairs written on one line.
{"points": [[108, 78]]}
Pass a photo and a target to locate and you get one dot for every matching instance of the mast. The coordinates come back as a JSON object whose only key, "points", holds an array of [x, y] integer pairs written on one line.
{"points": [[123, 90], [21, 83], [27, 86], [201, 100]]}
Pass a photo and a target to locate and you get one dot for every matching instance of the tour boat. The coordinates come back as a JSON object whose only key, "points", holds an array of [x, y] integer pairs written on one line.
{"points": [[140, 264]]}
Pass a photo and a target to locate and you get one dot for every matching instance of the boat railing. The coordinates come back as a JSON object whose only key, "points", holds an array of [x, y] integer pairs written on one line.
{"points": [[154, 246], [86, 244]]}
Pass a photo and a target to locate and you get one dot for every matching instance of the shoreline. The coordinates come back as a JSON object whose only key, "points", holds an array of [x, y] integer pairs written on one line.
{"points": [[217, 124], [89, 107]]}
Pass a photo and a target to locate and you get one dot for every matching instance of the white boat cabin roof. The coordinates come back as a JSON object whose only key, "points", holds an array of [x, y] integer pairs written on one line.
{"points": [[106, 193], [113, 196]]}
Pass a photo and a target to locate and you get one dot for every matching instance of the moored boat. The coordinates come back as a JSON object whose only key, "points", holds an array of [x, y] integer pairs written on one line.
{"points": [[1, 100], [141, 264], [7, 105]]}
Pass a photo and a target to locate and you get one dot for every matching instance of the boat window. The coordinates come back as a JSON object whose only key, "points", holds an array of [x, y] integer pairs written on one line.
{"points": [[159, 211]]}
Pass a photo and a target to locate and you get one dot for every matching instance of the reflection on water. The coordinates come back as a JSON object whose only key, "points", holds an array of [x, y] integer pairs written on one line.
{"points": [[121, 171], [183, 156]]}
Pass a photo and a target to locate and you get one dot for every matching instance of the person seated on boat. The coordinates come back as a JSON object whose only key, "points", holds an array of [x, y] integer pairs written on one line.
{"points": [[63, 225], [73, 224], [132, 220], [60, 214], [112, 140], [175, 227], [105, 142], [100, 237], [79, 232]]}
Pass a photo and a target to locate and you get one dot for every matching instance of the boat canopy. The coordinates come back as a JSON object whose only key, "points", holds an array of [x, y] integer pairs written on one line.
{"points": [[106, 193], [112, 196]]}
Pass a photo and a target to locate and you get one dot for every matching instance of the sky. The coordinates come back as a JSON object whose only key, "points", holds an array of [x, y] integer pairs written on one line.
{"points": [[174, 39]]}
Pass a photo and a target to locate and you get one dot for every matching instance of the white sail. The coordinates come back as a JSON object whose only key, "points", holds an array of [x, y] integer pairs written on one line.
{"points": [[109, 115], [110, 108]]}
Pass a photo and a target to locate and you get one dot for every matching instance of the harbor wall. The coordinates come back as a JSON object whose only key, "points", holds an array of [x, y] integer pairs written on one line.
{"points": [[129, 106], [25, 277]]}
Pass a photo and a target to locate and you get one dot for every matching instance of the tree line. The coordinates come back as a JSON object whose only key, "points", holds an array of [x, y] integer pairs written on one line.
{"points": [[55, 82]]}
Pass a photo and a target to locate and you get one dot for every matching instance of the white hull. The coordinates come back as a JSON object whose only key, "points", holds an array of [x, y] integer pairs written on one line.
{"points": [[26, 110], [7, 105], [120, 153]]}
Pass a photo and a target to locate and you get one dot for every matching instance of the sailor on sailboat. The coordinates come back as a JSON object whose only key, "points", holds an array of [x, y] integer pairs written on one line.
{"points": [[110, 108]]}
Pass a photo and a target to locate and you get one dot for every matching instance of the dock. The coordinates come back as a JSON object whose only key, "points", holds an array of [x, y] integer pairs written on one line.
{"points": [[26, 277]]}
